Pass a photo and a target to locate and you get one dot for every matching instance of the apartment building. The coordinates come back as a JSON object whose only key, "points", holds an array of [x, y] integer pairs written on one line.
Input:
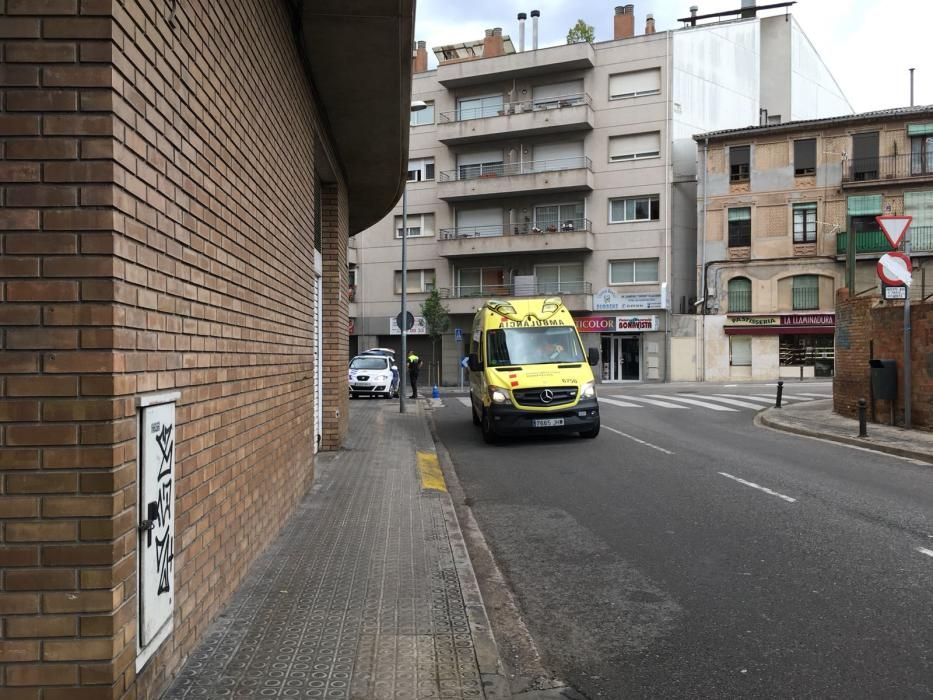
{"points": [[787, 216], [571, 170]]}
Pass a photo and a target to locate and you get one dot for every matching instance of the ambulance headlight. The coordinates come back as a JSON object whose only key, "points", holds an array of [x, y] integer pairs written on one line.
{"points": [[498, 395], [588, 390]]}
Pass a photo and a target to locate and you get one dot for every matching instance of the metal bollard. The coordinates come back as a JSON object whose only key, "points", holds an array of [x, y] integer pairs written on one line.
{"points": [[862, 429], [780, 392], [801, 372]]}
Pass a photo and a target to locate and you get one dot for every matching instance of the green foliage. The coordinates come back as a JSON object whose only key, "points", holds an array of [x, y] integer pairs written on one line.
{"points": [[581, 31], [436, 320]]}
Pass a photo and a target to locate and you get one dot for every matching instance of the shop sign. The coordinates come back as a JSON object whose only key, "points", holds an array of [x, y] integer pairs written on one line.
{"points": [[418, 329], [637, 323], [608, 300], [753, 321], [808, 320], [596, 324]]}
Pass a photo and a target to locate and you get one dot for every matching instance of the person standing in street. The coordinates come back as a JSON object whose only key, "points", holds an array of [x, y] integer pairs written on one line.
{"points": [[414, 366]]}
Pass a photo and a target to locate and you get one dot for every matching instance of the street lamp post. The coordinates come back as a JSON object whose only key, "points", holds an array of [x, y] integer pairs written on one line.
{"points": [[416, 106]]}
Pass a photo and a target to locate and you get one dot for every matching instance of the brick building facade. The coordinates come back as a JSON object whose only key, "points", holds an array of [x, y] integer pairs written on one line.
{"points": [[178, 188]]}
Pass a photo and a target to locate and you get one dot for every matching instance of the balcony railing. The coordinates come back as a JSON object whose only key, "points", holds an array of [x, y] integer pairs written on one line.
{"points": [[473, 172], [921, 240], [521, 107], [906, 165], [537, 288], [806, 298], [492, 231]]}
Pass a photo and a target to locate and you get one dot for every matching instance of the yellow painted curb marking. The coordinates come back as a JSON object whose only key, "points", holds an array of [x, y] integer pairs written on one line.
{"points": [[430, 468]]}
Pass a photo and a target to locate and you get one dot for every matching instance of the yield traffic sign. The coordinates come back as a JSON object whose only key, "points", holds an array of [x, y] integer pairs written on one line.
{"points": [[894, 228], [895, 269]]}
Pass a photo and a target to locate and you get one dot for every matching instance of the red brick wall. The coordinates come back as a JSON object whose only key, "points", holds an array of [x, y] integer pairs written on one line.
{"points": [[336, 316], [866, 328], [156, 234]]}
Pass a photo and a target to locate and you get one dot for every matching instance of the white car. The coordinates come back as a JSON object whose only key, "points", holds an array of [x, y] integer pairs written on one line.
{"points": [[373, 375]]}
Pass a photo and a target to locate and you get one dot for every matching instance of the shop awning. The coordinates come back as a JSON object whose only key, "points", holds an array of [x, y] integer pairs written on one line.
{"points": [[782, 324]]}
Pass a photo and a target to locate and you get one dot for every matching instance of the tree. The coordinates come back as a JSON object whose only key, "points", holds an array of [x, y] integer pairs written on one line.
{"points": [[581, 31], [436, 321]]}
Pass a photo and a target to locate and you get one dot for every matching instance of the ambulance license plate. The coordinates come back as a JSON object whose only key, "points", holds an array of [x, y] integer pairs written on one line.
{"points": [[547, 422]]}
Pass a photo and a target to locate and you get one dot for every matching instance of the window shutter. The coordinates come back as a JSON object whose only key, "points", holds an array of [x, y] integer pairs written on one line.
{"points": [[920, 129], [477, 157], [865, 205], [558, 152], [479, 217], [550, 93], [920, 206], [639, 82], [634, 145], [740, 214], [740, 346]]}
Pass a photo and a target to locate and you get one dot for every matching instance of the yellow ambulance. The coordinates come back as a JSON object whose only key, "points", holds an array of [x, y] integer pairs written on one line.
{"points": [[529, 373]]}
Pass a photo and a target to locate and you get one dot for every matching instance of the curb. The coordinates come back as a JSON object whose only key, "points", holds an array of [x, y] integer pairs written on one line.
{"points": [[763, 419], [492, 673]]}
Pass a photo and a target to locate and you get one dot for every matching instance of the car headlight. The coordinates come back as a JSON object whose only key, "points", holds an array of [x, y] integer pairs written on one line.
{"points": [[498, 395], [588, 390]]}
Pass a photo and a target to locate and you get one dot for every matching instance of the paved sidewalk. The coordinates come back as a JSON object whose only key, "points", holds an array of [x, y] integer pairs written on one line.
{"points": [[367, 593], [816, 419]]}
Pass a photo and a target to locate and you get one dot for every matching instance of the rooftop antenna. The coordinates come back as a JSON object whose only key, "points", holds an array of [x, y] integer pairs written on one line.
{"points": [[911, 86]]}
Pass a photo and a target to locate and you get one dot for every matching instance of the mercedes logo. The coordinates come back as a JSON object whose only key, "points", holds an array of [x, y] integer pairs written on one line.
{"points": [[547, 396]]}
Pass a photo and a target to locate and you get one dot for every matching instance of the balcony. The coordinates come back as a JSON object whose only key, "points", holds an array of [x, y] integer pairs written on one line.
{"points": [[517, 119], [573, 235], [498, 179], [921, 241], [577, 296], [905, 168], [524, 64]]}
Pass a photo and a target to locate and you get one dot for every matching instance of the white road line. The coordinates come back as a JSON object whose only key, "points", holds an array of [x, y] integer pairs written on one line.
{"points": [[732, 402], [466, 402], [924, 550], [638, 440], [759, 487], [819, 396], [662, 404], [614, 402], [695, 402], [747, 397]]}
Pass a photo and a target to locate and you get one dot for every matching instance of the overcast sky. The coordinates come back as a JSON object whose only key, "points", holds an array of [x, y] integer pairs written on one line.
{"points": [[868, 45]]}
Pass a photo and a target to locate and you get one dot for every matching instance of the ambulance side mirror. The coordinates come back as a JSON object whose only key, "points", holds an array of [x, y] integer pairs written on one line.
{"points": [[592, 356], [473, 362]]}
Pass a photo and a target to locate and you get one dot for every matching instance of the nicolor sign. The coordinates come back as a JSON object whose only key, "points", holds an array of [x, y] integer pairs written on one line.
{"points": [[895, 269], [596, 324], [894, 228]]}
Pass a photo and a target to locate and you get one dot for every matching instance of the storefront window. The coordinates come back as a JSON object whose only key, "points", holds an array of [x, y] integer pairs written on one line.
{"points": [[808, 351]]}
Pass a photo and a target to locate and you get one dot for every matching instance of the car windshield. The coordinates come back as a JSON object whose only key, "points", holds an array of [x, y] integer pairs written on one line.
{"points": [[371, 362], [532, 346]]}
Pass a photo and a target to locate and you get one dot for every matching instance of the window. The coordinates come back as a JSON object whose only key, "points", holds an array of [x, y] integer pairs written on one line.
{"points": [[805, 223], [563, 278], [635, 84], [643, 208], [424, 116], [740, 227], [480, 281], [919, 205], [558, 94], [740, 295], [418, 225], [353, 275], [739, 159], [479, 222], [480, 164], [420, 169], [418, 281], [808, 350], [559, 217], [634, 146], [479, 107], [557, 156], [921, 155], [740, 350], [806, 292], [638, 271], [865, 156], [805, 157]]}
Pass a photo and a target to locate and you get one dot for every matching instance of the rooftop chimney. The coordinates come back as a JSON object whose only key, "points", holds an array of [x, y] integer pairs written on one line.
{"points": [[749, 9], [623, 24], [521, 30], [534, 28], [649, 24], [419, 58], [492, 43]]}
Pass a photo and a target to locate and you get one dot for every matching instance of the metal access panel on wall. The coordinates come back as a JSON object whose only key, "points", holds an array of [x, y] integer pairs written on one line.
{"points": [[156, 529]]}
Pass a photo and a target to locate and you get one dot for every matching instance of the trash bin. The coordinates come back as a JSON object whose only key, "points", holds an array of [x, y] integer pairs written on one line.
{"points": [[883, 379]]}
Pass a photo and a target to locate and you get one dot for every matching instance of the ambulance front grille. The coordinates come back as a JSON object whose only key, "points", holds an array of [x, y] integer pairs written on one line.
{"points": [[545, 396]]}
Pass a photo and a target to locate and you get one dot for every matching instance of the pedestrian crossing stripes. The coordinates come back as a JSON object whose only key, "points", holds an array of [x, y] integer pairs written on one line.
{"points": [[720, 402]]}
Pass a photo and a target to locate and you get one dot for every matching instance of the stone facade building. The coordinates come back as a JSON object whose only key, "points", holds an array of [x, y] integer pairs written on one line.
{"points": [[179, 182]]}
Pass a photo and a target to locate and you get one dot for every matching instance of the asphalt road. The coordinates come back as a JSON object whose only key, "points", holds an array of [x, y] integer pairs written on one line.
{"points": [[687, 553]]}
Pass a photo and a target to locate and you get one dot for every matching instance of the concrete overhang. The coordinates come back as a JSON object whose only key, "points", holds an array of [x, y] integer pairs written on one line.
{"points": [[359, 56], [517, 65]]}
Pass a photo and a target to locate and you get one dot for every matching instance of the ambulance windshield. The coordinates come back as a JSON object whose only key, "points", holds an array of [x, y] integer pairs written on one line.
{"points": [[532, 346]]}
